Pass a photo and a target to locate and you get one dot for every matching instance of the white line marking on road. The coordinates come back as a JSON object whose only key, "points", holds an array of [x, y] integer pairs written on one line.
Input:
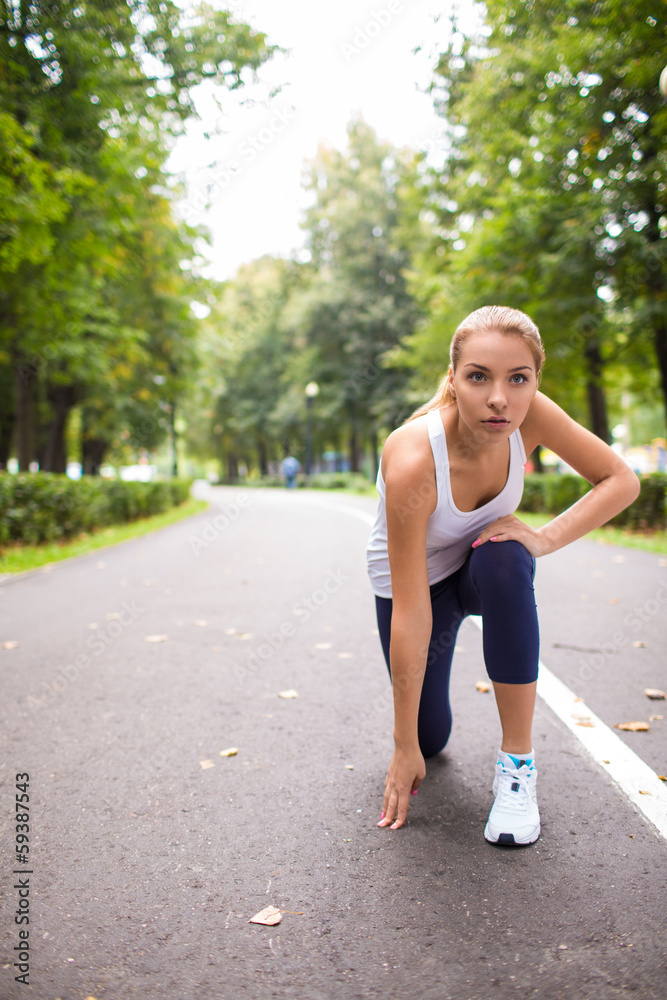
{"points": [[622, 764], [629, 771]]}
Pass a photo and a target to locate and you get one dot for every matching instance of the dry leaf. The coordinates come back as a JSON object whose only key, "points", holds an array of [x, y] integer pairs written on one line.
{"points": [[662, 777], [638, 643], [243, 636], [269, 916], [345, 656], [587, 723], [642, 792], [231, 752], [291, 693], [205, 764], [613, 600], [655, 718], [633, 727], [155, 638], [655, 693], [322, 645], [349, 767], [10, 644], [483, 686]]}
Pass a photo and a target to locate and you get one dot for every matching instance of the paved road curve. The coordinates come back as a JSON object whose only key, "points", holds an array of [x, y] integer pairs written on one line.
{"points": [[147, 862]]}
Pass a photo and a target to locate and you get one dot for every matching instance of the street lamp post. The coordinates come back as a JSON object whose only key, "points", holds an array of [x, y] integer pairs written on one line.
{"points": [[311, 391]]}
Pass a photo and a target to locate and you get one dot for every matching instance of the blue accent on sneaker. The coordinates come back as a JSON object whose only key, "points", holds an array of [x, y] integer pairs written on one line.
{"points": [[520, 761]]}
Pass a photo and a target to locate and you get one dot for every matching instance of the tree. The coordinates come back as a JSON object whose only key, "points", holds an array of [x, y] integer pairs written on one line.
{"points": [[75, 79], [553, 193]]}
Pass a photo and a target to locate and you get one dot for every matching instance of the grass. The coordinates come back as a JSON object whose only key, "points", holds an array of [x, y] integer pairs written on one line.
{"points": [[20, 558]]}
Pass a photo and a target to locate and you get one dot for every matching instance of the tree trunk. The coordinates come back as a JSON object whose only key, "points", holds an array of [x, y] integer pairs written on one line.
{"points": [[597, 406], [232, 468], [354, 448], [263, 457], [7, 410], [374, 453], [660, 341], [25, 377], [62, 399], [93, 450]]}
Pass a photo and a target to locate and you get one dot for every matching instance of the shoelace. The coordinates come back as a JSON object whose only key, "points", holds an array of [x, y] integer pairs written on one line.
{"points": [[510, 798]]}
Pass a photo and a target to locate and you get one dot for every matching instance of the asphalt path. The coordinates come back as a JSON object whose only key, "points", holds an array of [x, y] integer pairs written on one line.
{"points": [[149, 851]]}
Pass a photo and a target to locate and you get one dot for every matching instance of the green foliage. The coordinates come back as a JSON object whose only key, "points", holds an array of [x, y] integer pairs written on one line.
{"points": [[553, 493], [96, 274], [553, 191], [45, 507]]}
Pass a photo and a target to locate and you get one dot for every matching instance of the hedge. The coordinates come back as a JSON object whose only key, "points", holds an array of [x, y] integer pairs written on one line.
{"points": [[552, 493], [46, 507]]}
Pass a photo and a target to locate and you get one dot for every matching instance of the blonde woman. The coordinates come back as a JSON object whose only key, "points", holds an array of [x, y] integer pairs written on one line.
{"points": [[446, 544]]}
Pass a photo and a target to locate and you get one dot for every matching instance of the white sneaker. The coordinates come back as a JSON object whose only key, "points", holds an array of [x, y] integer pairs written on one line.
{"points": [[514, 818]]}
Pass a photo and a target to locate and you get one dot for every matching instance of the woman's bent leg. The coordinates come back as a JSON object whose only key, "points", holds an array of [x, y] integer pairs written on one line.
{"points": [[435, 715], [497, 583]]}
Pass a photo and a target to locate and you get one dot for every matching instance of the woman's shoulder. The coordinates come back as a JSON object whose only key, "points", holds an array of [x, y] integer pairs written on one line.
{"points": [[407, 451]]}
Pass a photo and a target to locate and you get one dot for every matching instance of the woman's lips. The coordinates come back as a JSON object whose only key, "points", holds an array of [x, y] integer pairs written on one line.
{"points": [[497, 421]]}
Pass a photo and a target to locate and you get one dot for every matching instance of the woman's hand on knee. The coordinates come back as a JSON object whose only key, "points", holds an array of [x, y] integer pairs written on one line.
{"points": [[510, 528], [406, 772]]}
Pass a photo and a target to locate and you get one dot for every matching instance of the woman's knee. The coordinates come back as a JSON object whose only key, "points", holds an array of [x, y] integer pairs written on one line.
{"points": [[502, 559]]}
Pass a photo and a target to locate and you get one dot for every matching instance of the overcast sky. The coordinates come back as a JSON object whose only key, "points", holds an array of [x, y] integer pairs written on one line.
{"points": [[343, 59]]}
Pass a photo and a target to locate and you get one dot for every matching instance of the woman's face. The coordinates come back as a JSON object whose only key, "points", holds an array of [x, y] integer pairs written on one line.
{"points": [[494, 383]]}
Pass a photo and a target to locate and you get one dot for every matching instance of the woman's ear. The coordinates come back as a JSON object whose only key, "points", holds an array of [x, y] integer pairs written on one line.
{"points": [[450, 376]]}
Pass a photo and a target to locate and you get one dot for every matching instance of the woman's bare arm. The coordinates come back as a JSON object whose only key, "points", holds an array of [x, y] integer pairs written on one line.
{"points": [[411, 497], [615, 485]]}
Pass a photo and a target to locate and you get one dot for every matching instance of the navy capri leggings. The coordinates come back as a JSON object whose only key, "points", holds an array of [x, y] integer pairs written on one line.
{"points": [[496, 582]]}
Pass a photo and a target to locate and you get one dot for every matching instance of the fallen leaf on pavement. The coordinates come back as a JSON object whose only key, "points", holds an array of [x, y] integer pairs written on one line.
{"points": [[642, 792], [205, 764], [655, 693], [587, 723], [633, 727], [231, 752], [155, 638], [322, 645], [638, 643], [288, 694], [483, 686], [654, 718], [349, 767], [662, 777], [10, 644], [243, 635], [269, 916]]}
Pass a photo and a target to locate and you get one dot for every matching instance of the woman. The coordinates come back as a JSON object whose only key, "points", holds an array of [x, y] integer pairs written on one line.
{"points": [[446, 544]]}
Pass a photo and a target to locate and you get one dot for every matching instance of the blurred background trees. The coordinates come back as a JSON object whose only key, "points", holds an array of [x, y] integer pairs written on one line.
{"points": [[549, 196]]}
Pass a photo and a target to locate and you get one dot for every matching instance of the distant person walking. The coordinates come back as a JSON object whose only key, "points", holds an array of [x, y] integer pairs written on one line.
{"points": [[291, 468], [446, 544]]}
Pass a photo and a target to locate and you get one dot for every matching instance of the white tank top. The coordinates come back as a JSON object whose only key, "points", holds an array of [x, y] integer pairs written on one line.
{"points": [[450, 532]]}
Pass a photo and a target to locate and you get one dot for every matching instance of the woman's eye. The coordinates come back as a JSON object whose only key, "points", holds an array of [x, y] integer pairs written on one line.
{"points": [[475, 377], [520, 378]]}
